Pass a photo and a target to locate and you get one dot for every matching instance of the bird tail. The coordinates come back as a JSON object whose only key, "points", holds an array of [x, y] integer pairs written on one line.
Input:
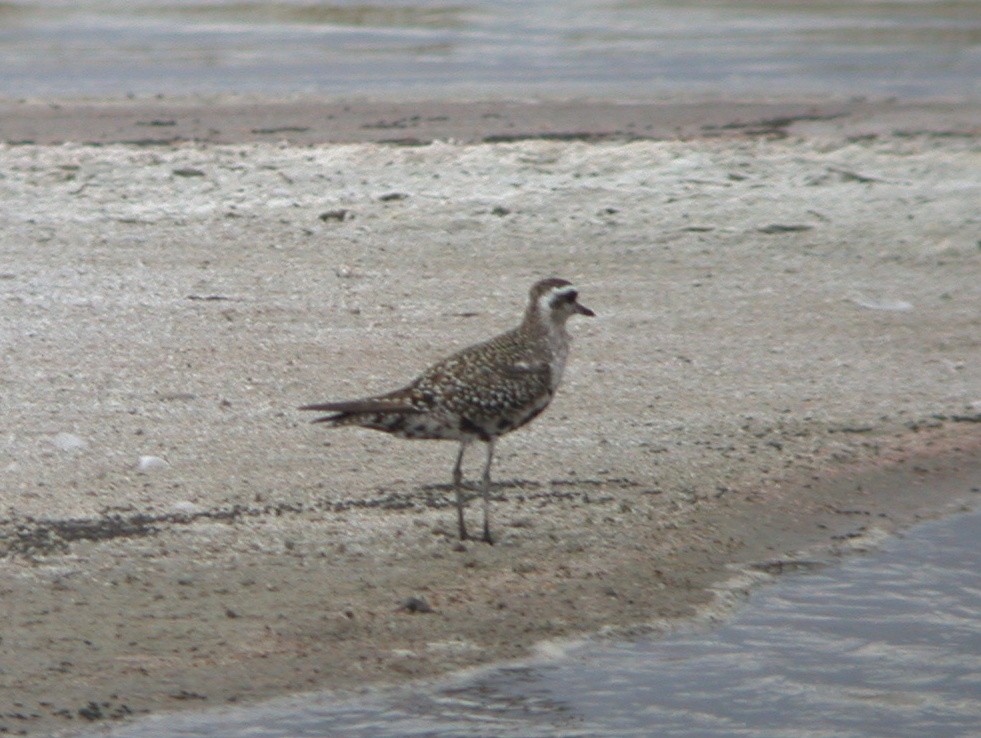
{"points": [[349, 408]]}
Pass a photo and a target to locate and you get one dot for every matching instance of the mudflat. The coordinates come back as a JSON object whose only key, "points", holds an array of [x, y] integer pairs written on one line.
{"points": [[785, 362]]}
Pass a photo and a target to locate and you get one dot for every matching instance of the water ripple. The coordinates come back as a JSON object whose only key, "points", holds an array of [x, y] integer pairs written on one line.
{"points": [[916, 48]]}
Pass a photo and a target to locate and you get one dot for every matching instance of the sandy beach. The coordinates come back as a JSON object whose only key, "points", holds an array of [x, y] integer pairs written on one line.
{"points": [[785, 363]]}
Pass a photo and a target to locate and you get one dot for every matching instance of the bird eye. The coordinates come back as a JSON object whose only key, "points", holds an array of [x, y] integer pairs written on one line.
{"points": [[565, 296]]}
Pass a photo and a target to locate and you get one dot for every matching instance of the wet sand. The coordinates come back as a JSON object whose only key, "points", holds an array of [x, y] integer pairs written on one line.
{"points": [[785, 360]]}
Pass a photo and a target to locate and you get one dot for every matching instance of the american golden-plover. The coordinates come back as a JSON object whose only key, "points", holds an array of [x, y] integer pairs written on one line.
{"points": [[479, 393]]}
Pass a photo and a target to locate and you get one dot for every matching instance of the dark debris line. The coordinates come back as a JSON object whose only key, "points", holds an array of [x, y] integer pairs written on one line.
{"points": [[29, 536]]}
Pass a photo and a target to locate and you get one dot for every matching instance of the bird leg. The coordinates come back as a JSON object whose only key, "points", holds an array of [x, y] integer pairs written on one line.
{"points": [[458, 485], [485, 485]]}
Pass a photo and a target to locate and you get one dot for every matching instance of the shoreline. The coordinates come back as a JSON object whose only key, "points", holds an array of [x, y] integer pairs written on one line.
{"points": [[937, 476], [300, 121], [785, 358]]}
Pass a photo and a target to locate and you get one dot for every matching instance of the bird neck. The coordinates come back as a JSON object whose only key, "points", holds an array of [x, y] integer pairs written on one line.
{"points": [[541, 323]]}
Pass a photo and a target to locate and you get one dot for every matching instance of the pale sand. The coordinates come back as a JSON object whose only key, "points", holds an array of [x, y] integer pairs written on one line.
{"points": [[786, 357]]}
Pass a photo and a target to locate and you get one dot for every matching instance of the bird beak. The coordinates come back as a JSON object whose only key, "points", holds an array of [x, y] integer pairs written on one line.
{"points": [[583, 310]]}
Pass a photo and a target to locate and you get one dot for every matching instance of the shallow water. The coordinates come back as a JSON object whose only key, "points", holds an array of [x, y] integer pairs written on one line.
{"points": [[885, 644], [429, 48]]}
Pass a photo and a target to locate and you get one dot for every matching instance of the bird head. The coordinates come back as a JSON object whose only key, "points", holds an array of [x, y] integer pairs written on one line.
{"points": [[558, 299]]}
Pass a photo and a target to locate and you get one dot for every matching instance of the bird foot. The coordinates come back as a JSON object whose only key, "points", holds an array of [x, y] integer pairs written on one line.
{"points": [[485, 538]]}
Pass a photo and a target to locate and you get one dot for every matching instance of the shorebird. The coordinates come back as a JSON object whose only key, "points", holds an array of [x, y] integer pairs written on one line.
{"points": [[479, 393]]}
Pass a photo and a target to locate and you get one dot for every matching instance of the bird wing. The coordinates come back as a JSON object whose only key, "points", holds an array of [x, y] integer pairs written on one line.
{"points": [[483, 385]]}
